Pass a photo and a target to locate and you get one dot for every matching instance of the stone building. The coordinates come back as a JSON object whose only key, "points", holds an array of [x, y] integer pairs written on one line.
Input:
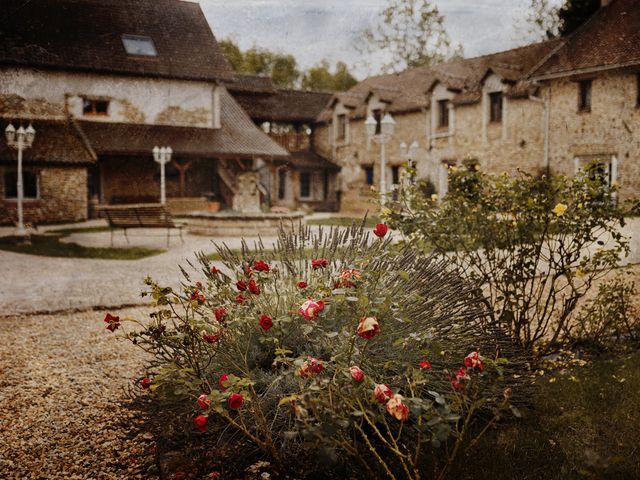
{"points": [[103, 82], [507, 111]]}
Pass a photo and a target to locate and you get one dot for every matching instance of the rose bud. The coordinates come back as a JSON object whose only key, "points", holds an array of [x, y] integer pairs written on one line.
{"points": [[261, 266], [198, 296], [199, 285], [310, 366], [240, 299], [214, 269], [112, 321], [368, 328], [397, 408], [200, 422], [356, 373], [309, 309], [425, 365], [382, 393], [220, 313], [221, 382], [241, 285], [266, 322], [235, 401], [247, 270], [145, 383], [380, 230], [204, 402], [301, 284], [210, 337], [253, 287], [317, 263], [473, 360]]}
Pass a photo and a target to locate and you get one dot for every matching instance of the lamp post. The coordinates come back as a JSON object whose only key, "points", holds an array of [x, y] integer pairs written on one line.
{"points": [[20, 139], [409, 155], [387, 127], [162, 155]]}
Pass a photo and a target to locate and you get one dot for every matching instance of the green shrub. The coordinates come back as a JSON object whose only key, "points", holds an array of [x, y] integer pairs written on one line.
{"points": [[296, 356], [533, 245]]}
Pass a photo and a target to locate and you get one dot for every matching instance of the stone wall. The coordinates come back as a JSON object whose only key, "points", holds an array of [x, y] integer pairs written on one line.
{"points": [[62, 197], [610, 129]]}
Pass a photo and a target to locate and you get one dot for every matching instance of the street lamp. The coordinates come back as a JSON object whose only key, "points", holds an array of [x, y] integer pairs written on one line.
{"points": [[409, 155], [20, 140], [162, 155], [387, 127]]}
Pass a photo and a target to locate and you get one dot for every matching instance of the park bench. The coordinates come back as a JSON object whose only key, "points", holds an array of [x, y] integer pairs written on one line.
{"points": [[140, 216]]}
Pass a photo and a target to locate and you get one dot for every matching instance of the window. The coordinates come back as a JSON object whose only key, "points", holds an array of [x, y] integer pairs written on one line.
{"points": [[495, 107], [377, 115], [305, 184], [95, 107], [342, 128], [29, 184], [282, 183], [395, 175], [584, 98], [443, 113], [325, 184], [369, 175], [139, 45]]}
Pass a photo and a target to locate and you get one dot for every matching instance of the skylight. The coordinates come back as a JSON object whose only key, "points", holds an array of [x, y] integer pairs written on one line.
{"points": [[139, 45]]}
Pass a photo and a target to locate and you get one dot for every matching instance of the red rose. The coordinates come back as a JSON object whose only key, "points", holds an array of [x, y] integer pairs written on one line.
{"points": [[310, 309], [210, 337], [145, 383], [397, 408], [461, 374], [220, 313], [382, 393], [457, 385], [266, 322], [473, 360], [241, 285], [221, 382], [261, 266], [200, 422], [310, 366], [317, 263], [112, 322], [240, 299], [301, 284], [380, 230], [356, 373], [253, 287], [214, 269], [199, 285], [247, 270], [235, 401], [198, 296], [368, 328], [204, 402], [425, 365]]}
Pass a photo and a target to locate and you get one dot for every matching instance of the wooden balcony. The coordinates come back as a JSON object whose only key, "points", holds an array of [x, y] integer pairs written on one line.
{"points": [[292, 141]]}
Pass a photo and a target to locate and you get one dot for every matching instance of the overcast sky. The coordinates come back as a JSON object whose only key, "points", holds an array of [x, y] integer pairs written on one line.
{"points": [[316, 29]]}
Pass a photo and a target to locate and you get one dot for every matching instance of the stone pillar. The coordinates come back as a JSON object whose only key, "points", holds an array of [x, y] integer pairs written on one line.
{"points": [[247, 196]]}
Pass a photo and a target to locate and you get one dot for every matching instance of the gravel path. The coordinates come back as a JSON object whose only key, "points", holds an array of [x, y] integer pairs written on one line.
{"points": [[63, 382]]}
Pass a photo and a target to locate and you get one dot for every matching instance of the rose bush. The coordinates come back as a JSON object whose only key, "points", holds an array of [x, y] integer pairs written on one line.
{"points": [[350, 361]]}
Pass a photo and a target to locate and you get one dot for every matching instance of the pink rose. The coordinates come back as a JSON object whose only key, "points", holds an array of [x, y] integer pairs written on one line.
{"points": [[382, 393], [266, 322], [235, 401], [380, 230], [204, 402], [356, 373], [397, 408], [200, 422], [368, 328], [310, 309], [473, 360]]}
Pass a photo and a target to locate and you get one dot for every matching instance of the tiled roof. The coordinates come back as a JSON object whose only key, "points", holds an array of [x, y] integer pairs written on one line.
{"points": [[87, 35], [238, 137], [464, 76], [295, 106], [57, 142], [609, 39], [250, 83]]}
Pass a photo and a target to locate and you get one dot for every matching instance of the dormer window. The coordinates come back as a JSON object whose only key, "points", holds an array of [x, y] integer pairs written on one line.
{"points": [[377, 114], [495, 107], [139, 45], [341, 134], [95, 107], [443, 113]]}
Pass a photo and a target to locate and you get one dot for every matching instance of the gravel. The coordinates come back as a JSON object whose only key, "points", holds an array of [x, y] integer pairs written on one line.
{"points": [[64, 384]]}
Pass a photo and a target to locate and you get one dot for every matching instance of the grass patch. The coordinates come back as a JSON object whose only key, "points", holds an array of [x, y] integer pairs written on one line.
{"points": [[584, 425], [51, 246], [343, 221]]}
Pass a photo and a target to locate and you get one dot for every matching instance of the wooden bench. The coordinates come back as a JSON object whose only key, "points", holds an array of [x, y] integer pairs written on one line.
{"points": [[140, 216]]}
